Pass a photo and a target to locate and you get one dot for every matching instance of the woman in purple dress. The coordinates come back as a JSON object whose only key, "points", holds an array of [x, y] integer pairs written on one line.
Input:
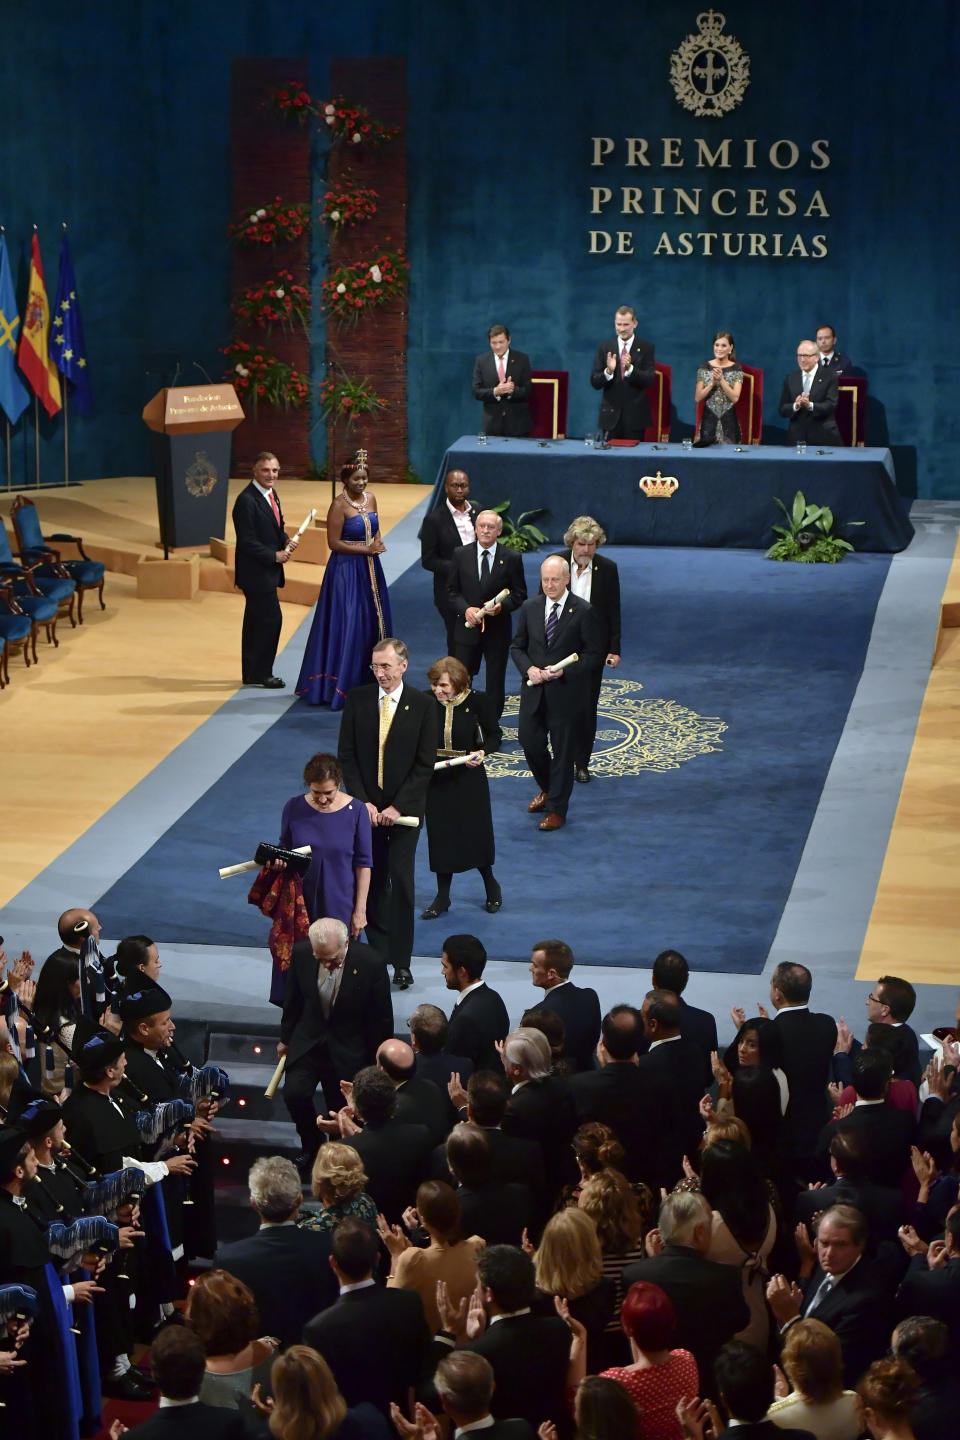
{"points": [[337, 829], [353, 608]]}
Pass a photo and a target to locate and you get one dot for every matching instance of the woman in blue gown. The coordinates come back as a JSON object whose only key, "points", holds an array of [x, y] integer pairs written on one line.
{"points": [[353, 608]]}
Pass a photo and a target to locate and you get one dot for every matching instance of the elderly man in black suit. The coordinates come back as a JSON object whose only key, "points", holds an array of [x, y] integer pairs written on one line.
{"points": [[336, 1011], [809, 400], [502, 382], [551, 627], [842, 1287], [387, 749], [707, 1296], [263, 548], [477, 574], [624, 371], [419, 1101], [577, 1005], [375, 1340], [286, 1268], [450, 524], [597, 580], [479, 1017]]}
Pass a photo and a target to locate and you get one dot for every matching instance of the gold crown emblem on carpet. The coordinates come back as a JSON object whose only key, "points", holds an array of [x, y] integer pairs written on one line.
{"points": [[659, 487]]}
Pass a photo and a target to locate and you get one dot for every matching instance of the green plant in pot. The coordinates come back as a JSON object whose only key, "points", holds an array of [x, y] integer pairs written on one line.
{"points": [[521, 536], [808, 534]]}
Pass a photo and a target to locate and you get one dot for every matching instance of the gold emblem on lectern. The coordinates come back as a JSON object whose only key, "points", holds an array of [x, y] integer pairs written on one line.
{"points": [[659, 487], [202, 475], [710, 72]]}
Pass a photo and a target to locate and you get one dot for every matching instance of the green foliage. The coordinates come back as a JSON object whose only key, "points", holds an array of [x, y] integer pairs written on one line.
{"points": [[521, 536], [808, 534]]}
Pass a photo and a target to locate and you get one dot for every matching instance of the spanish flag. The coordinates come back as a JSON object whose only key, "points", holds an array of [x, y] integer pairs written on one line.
{"points": [[33, 356]]}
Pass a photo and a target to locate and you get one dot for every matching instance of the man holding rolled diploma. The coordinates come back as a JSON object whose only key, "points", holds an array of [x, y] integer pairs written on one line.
{"points": [[552, 628], [486, 584]]}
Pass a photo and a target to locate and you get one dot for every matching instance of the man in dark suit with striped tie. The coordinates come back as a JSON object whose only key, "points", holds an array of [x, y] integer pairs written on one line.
{"points": [[551, 627]]}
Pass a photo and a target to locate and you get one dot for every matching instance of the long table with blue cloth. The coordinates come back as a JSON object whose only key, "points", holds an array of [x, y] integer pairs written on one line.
{"points": [[724, 496]]}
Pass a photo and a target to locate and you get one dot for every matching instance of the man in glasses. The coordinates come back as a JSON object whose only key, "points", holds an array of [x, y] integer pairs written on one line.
{"points": [[809, 400], [387, 748]]}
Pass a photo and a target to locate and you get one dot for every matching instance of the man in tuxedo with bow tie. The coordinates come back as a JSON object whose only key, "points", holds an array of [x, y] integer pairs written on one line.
{"points": [[550, 627], [809, 400], [477, 573], [263, 548], [624, 371]]}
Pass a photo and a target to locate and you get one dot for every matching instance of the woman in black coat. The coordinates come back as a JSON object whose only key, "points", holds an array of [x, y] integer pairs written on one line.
{"points": [[459, 823]]}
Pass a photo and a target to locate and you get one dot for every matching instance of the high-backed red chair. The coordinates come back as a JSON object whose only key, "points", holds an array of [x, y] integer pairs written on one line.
{"points": [[659, 395], [548, 404], [749, 407], [851, 416]]}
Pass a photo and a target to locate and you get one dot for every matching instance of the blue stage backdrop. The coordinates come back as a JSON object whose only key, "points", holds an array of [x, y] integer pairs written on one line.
{"points": [[554, 173]]}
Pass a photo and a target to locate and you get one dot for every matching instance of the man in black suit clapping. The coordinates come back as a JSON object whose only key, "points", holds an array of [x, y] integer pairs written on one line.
{"points": [[624, 371], [502, 382]]}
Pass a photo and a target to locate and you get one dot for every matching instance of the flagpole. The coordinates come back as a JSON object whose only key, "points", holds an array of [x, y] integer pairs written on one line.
{"points": [[9, 459], [36, 443], [66, 437]]}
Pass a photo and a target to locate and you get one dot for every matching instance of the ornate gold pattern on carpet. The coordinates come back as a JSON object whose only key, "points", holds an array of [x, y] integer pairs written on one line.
{"points": [[634, 733]]}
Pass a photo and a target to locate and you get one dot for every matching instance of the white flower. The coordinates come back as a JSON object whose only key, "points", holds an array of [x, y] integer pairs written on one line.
{"points": [[356, 138], [329, 119], [261, 214], [341, 289], [328, 109], [335, 215], [253, 218], [279, 293], [239, 368], [376, 274]]}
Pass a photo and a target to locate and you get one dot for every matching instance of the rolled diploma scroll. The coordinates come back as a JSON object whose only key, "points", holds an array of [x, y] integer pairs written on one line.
{"points": [[456, 760], [229, 870], [306, 522], [411, 821], [561, 664], [275, 1078], [491, 605]]}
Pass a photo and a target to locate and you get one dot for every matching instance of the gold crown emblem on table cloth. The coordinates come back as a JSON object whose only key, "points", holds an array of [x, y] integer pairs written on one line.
{"points": [[659, 487]]}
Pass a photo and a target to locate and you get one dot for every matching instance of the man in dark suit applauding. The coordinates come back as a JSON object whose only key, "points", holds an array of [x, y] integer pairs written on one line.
{"points": [[478, 573], [448, 525], [551, 627], [577, 1005], [263, 548], [624, 371], [178, 1361], [479, 1016], [387, 748], [502, 382], [809, 400], [336, 1011], [597, 580]]}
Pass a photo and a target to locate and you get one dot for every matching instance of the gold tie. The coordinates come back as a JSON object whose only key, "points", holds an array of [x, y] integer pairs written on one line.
{"points": [[386, 720]]}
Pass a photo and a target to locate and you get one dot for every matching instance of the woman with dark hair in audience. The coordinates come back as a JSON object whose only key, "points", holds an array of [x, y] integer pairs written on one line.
{"points": [[611, 1202], [659, 1377], [307, 1405], [222, 1311], [744, 1226], [449, 1257], [813, 1363], [602, 1410], [756, 1043], [886, 1394], [56, 1010], [568, 1263], [137, 962]]}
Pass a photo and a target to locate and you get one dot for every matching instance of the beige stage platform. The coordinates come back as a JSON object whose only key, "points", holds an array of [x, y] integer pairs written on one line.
{"points": [[95, 716]]}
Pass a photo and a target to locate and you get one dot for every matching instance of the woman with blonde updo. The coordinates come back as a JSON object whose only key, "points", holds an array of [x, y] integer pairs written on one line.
{"points": [[338, 1181]]}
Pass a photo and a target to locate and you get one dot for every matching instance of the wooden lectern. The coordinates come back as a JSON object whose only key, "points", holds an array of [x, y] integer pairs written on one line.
{"points": [[192, 425]]}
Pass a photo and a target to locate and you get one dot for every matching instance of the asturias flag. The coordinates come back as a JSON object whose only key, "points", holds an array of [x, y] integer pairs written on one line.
{"points": [[33, 358], [67, 349], [13, 394]]}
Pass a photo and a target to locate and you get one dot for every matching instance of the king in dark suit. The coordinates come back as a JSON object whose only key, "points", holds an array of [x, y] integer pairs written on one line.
{"points": [[810, 413], [477, 573], [336, 1011], [387, 748], [449, 525], [551, 627], [502, 381], [624, 371], [596, 579], [263, 548]]}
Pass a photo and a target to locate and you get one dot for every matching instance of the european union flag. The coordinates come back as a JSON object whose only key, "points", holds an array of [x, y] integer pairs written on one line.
{"points": [[67, 350], [13, 393]]}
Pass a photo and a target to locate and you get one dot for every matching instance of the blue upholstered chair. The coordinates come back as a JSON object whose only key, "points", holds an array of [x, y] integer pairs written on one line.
{"points": [[57, 586], [3, 662], [16, 628], [34, 546], [41, 609]]}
